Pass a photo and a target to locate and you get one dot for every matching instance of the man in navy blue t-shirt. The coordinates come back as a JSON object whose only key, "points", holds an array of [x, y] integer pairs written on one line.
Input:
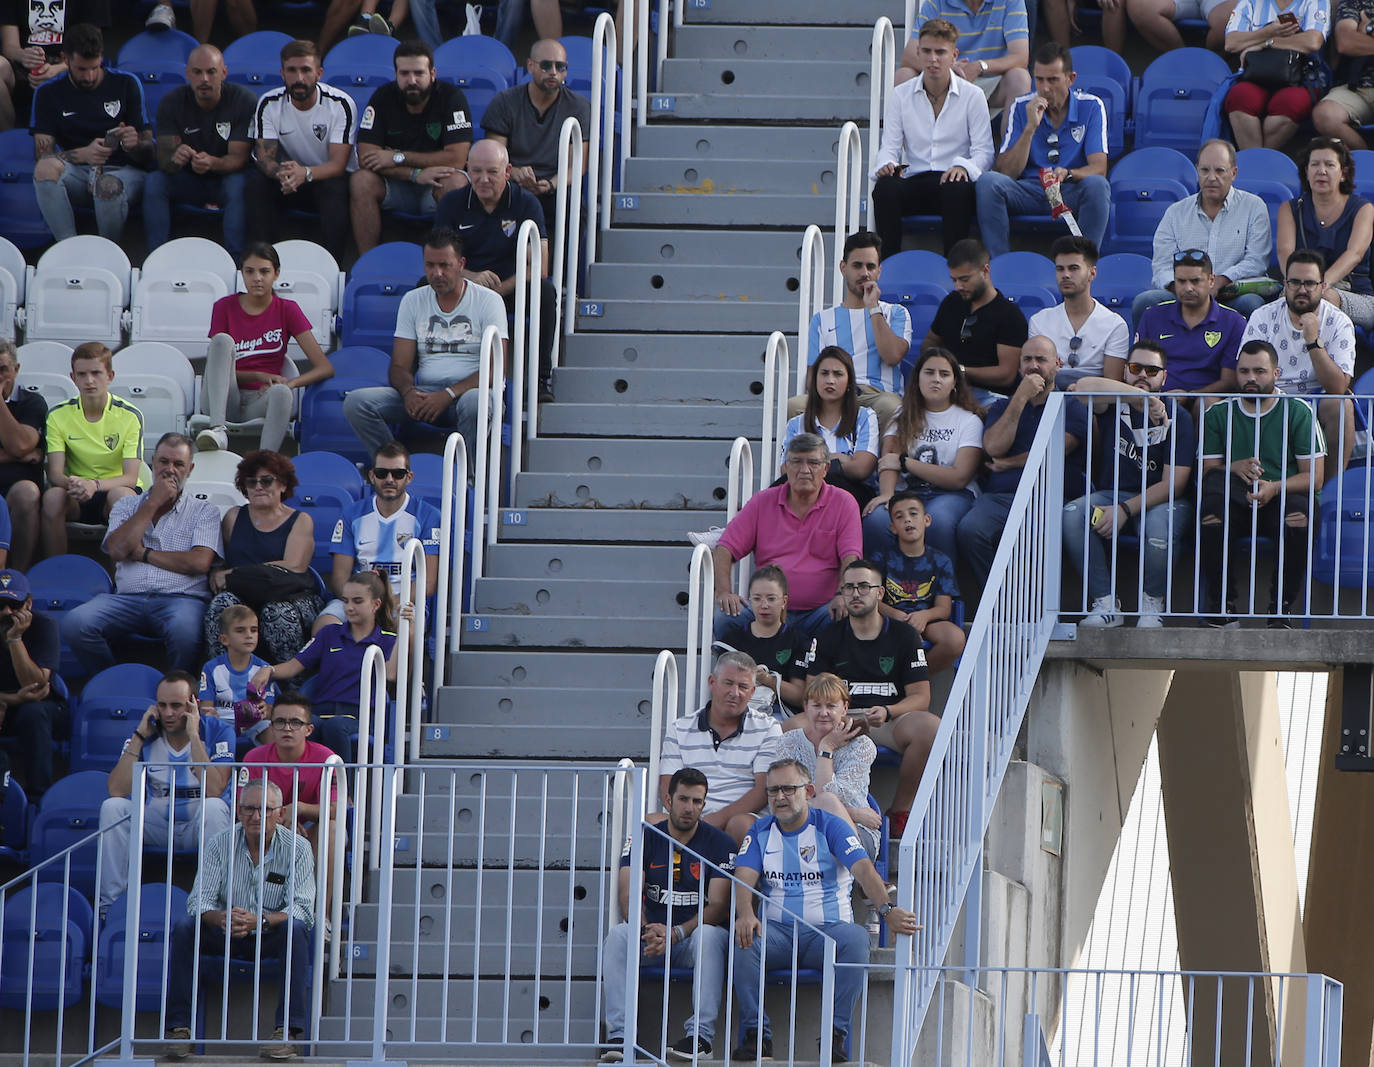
{"points": [[678, 927], [91, 139], [488, 215]]}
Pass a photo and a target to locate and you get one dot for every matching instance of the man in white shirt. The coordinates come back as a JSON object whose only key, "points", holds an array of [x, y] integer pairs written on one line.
{"points": [[940, 125], [304, 135], [435, 355], [1315, 344], [1090, 338]]}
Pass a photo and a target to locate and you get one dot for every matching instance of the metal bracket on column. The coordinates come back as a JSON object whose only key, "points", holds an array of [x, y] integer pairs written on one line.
{"points": [[1357, 708]]}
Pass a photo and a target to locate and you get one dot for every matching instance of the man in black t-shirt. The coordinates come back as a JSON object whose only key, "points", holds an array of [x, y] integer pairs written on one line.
{"points": [[31, 36], [885, 666], [983, 329], [91, 139], [33, 701], [23, 416], [202, 150], [413, 142]]}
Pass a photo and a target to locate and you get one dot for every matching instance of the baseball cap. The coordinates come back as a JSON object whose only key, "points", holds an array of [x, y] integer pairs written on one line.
{"points": [[14, 587]]}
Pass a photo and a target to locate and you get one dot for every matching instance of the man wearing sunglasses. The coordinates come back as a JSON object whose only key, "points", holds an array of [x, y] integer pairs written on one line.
{"points": [[1143, 447], [1057, 127], [1200, 336], [372, 534], [1089, 337], [1315, 342]]}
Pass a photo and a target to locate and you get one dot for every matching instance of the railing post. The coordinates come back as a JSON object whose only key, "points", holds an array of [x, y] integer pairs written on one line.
{"points": [[601, 143], [529, 257], [129, 1011], [621, 785], [381, 994], [739, 487], [811, 293], [848, 176], [371, 716], [410, 657], [567, 243], [701, 603], [453, 525], [491, 383], [882, 69], [663, 706], [635, 839], [776, 375]]}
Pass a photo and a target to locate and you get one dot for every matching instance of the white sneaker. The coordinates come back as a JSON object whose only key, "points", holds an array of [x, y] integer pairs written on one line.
{"points": [[162, 17], [1106, 613], [710, 538], [212, 439], [1151, 608]]}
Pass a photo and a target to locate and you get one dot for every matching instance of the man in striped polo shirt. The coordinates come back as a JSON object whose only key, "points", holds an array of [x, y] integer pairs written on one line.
{"points": [[727, 742]]}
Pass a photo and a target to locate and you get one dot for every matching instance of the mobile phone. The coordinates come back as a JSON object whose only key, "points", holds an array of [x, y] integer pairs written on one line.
{"points": [[1097, 515], [1288, 17], [112, 138]]}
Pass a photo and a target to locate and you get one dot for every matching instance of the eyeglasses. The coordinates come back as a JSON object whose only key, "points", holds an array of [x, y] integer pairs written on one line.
{"points": [[863, 588], [1052, 143], [1145, 369], [966, 330], [290, 724], [254, 811], [263, 481], [1195, 257], [1303, 283], [398, 473], [547, 65], [782, 790], [769, 600]]}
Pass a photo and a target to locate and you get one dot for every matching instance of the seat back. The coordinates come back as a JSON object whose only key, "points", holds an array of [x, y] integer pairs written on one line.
{"points": [[51, 356], [391, 259], [78, 292], [1274, 194], [921, 300], [1023, 268], [1174, 95], [159, 906], [53, 387], [254, 60], [1138, 207], [20, 219], [158, 380], [13, 279], [47, 940], [369, 310], [1342, 553], [108, 711], [1120, 278], [1268, 163], [15, 816], [458, 55], [361, 361], [220, 466], [1029, 298], [323, 426], [360, 65], [311, 277], [325, 503], [158, 61], [329, 468], [1105, 74], [68, 814], [176, 290], [1364, 171], [914, 267], [62, 583]]}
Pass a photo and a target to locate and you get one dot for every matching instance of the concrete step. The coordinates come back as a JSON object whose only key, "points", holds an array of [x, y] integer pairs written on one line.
{"points": [[718, 421], [792, 211], [494, 722], [860, 13], [721, 315], [576, 525], [665, 351], [577, 596], [698, 104], [687, 384], [781, 144], [707, 284], [649, 634], [748, 174], [570, 670], [768, 42], [746, 244], [587, 561], [726, 78], [621, 491], [626, 455]]}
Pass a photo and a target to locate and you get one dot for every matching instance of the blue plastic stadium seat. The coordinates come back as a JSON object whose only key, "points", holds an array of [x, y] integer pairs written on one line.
{"points": [[1174, 94], [159, 907], [1023, 268], [15, 816], [20, 220], [1143, 185], [61, 583], [254, 61], [1341, 555], [360, 65], [68, 814], [457, 56], [391, 258], [47, 941], [369, 309], [108, 712], [1105, 74], [1268, 163], [329, 484], [916, 266], [921, 300], [361, 361], [1029, 298], [1364, 171], [1120, 278], [322, 422], [158, 60]]}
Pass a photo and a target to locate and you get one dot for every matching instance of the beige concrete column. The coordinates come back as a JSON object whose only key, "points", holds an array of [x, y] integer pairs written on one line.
{"points": [[1339, 920], [1231, 856]]}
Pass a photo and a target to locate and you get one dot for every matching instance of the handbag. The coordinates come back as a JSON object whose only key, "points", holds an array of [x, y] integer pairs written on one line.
{"points": [[1274, 68], [262, 583]]}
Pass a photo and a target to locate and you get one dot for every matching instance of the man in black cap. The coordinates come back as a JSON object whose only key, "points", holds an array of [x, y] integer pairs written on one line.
{"points": [[33, 701]]}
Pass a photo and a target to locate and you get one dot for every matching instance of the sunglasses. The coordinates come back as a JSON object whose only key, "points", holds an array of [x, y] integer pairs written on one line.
{"points": [[1145, 369], [263, 481], [398, 473], [1192, 256], [547, 65], [1052, 143], [966, 330]]}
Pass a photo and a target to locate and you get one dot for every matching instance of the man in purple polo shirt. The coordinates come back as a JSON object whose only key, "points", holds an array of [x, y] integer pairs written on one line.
{"points": [[808, 528], [1199, 335]]}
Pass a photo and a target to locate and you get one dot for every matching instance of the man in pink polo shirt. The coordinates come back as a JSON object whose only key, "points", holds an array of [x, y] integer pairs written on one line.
{"points": [[808, 528], [296, 764]]}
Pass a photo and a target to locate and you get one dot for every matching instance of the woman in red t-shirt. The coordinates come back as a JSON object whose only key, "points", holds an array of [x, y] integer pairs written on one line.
{"points": [[246, 363]]}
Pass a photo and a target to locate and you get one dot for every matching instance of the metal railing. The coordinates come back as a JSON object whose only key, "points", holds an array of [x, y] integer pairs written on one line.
{"points": [[567, 237], [529, 277], [882, 69], [850, 185], [776, 376], [810, 295], [663, 709], [410, 654], [601, 142], [486, 493], [942, 846], [453, 525]]}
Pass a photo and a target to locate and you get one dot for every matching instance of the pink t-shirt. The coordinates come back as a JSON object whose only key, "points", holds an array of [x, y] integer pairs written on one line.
{"points": [[259, 340], [808, 549], [308, 770]]}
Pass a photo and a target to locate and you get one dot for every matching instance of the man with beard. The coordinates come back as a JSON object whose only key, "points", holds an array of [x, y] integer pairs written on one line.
{"points": [[1199, 335], [413, 142], [1261, 462], [676, 921], [304, 134], [1314, 345], [983, 329], [202, 150], [1089, 337]]}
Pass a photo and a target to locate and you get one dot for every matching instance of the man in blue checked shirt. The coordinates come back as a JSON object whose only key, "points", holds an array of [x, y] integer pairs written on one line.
{"points": [[804, 862], [1058, 127]]}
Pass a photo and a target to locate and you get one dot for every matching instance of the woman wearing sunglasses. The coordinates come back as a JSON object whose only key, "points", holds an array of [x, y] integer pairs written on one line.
{"points": [[266, 531]]}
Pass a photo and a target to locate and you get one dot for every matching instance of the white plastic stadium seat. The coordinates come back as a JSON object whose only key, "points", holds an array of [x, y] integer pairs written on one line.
{"points": [[200, 421], [175, 290], [78, 292], [13, 279], [51, 357], [50, 385], [212, 479], [311, 277], [158, 380]]}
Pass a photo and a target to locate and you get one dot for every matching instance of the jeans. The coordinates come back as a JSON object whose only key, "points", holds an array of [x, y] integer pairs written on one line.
{"points": [[1000, 197], [1223, 496], [223, 401], [1161, 529], [426, 20], [369, 411], [186, 835], [808, 622], [1244, 304], [945, 511], [31, 727], [187, 187], [110, 191], [175, 620], [713, 942], [510, 17], [181, 965], [851, 946], [980, 530], [548, 324]]}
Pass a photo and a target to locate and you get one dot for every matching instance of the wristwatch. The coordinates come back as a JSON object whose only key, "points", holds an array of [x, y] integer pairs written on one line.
{"points": [[1369, 30], [983, 65], [1314, 344], [884, 908], [398, 158]]}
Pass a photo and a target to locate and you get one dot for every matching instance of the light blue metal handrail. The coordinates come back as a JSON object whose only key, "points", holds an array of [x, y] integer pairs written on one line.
{"points": [[942, 846]]}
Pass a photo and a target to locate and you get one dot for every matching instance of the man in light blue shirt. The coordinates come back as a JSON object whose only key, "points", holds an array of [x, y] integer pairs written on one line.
{"points": [[1229, 224], [1059, 128], [804, 862]]}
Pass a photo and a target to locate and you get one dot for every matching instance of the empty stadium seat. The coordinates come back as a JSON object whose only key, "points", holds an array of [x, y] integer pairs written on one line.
{"points": [[1173, 96], [1023, 268], [579, 51], [329, 485], [53, 356], [158, 380], [158, 60], [323, 426], [111, 705], [46, 938], [311, 277], [914, 267], [1271, 176], [1105, 74], [360, 65], [459, 55], [254, 60], [15, 816], [68, 815], [78, 292], [370, 303], [212, 479], [360, 361], [14, 274], [20, 219], [1121, 277], [921, 300], [61, 583], [1143, 185], [404, 258], [1345, 538], [1363, 159], [159, 906], [175, 290]]}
